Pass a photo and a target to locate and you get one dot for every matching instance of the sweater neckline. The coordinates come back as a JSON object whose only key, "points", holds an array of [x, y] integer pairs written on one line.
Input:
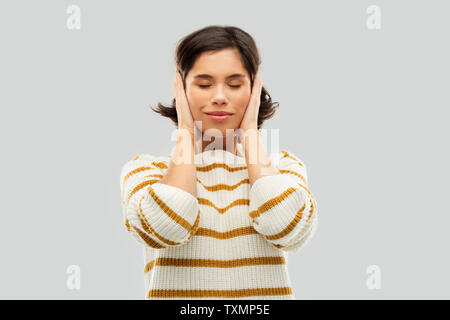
{"points": [[221, 156]]}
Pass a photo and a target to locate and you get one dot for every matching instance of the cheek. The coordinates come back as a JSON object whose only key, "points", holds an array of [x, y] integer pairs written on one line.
{"points": [[241, 100], [196, 95], [196, 99]]}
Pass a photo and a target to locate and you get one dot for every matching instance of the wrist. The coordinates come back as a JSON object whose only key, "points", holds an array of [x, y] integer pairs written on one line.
{"points": [[183, 129], [184, 134], [248, 136]]}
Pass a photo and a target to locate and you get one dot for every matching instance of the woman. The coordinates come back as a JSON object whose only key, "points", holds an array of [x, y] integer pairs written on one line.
{"points": [[218, 224]]}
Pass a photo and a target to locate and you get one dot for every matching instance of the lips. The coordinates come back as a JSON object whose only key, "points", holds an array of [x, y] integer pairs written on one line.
{"points": [[219, 113]]}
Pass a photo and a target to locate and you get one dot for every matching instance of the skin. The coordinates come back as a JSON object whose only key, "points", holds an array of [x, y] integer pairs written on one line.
{"points": [[221, 94], [192, 101]]}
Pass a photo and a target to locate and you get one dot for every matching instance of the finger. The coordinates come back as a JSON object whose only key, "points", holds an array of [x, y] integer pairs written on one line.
{"points": [[182, 89], [258, 77], [179, 83], [181, 95], [256, 91], [175, 79], [179, 88], [260, 83], [255, 81], [176, 87]]}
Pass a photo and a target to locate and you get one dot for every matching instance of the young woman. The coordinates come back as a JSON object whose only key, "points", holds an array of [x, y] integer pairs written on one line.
{"points": [[217, 219]]}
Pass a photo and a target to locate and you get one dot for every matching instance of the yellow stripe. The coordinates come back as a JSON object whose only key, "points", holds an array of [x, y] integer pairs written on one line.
{"points": [[290, 227], [129, 174], [172, 214], [286, 154], [217, 187], [243, 231], [219, 165], [311, 211], [294, 173], [174, 293], [149, 241], [272, 203], [205, 232], [310, 195], [160, 165], [154, 175], [146, 226], [139, 187], [186, 262], [195, 227], [279, 246], [236, 202], [134, 171]]}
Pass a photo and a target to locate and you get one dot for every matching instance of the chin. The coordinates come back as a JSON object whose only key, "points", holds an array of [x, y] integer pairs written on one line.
{"points": [[214, 133]]}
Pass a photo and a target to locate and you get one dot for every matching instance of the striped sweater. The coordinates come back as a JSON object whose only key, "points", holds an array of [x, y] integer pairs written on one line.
{"points": [[232, 241]]}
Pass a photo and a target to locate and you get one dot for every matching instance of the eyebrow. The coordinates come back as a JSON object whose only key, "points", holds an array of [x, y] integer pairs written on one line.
{"points": [[208, 76]]}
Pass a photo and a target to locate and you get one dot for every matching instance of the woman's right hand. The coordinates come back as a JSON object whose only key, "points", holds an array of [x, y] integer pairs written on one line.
{"points": [[184, 115]]}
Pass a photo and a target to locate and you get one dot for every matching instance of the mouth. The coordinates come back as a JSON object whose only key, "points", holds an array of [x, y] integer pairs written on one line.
{"points": [[219, 115]]}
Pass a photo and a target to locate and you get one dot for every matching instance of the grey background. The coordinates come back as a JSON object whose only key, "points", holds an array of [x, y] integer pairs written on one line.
{"points": [[366, 110]]}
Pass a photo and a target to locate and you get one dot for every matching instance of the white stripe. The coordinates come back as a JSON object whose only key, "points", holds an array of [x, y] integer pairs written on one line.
{"points": [[235, 217], [207, 278], [199, 247]]}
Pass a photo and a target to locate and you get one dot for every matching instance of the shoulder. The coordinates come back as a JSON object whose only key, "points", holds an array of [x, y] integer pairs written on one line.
{"points": [[287, 157], [146, 161], [288, 162], [145, 157]]}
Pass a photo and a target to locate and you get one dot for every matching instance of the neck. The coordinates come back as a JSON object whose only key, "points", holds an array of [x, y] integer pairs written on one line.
{"points": [[220, 144]]}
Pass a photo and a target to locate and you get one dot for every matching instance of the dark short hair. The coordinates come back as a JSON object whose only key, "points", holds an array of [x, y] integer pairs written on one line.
{"points": [[215, 38]]}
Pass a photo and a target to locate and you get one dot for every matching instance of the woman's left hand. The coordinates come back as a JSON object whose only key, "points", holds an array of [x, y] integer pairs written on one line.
{"points": [[250, 119]]}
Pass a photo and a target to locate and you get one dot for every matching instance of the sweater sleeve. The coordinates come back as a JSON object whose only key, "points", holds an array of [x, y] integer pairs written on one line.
{"points": [[156, 214], [282, 208]]}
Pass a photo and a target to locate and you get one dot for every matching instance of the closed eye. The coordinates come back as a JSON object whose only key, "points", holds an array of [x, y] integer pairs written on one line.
{"points": [[208, 85]]}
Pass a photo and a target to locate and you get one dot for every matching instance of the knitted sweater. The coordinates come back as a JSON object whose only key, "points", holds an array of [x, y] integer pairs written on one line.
{"points": [[232, 241]]}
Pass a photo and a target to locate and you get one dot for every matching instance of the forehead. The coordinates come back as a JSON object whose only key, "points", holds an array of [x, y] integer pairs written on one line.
{"points": [[225, 63]]}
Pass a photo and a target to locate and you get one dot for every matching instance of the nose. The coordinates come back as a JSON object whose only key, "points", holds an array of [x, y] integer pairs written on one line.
{"points": [[219, 97]]}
